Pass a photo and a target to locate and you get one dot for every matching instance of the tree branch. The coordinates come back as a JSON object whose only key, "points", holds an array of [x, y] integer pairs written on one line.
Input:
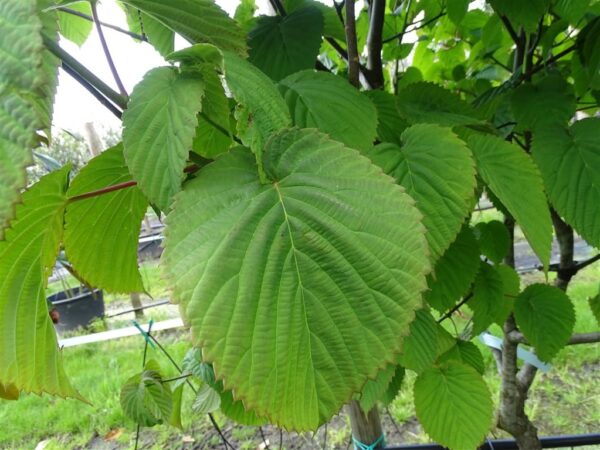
{"points": [[109, 59], [375, 43], [92, 90], [73, 12], [564, 236], [351, 43], [84, 73], [423, 25], [455, 308], [516, 337], [117, 187], [513, 34], [535, 69]]}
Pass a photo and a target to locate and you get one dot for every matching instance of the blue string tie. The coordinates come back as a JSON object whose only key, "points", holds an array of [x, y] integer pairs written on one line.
{"points": [[144, 333], [360, 446]]}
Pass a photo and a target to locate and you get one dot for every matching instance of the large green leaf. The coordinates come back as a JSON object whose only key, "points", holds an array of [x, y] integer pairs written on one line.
{"points": [[546, 104], [390, 124], [145, 398], [424, 102], [101, 233], [522, 14], [266, 110], [569, 160], [487, 298], [198, 21], [594, 303], [158, 131], [328, 102], [493, 239], [332, 26], [454, 272], [31, 360], [280, 46], [315, 274], [76, 29], [510, 173], [546, 317], [454, 405], [21, 74], [437, 170]]}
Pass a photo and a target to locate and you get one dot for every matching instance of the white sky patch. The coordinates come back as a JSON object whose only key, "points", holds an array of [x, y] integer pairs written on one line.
{"points": [[74, 105]]}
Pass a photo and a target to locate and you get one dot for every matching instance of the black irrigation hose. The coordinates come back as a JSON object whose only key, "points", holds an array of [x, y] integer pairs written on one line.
{"points": [[569, 440]]}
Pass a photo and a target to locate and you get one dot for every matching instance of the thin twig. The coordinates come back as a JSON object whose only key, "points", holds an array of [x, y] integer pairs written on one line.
{"points": [[73, 12], [117, 187], [456, 308], [106, 50], [351, 44], [264, 439], [422, 25], [551, 60], [180, 377]]}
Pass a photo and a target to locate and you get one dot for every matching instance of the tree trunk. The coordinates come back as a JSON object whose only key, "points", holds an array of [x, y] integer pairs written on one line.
{"points": [[566, 266], [137, 303], [366, 428], [511, 415]]}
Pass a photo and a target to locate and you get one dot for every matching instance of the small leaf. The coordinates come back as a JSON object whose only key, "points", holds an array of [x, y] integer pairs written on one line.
{"points": [[493, 239], [266, 109], [328, 102], [192, 363], [394, 386], [437, 170], [487, 298], [73, 28], [420, 346], [207, 400], [424, 102], [145, 399], [101, 233], [280, 46], [175, 419], [326, 213], [569, 160], [457, 10], [546, 317], [198, 21], [158, 130], [376, 388], [454, 272], [466, 352], [159, 36], [510, 172], [454, 405]]}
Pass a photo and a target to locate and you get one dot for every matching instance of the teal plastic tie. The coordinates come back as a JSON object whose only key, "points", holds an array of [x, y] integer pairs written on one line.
{"points": [[360, 446], [144, 333]]}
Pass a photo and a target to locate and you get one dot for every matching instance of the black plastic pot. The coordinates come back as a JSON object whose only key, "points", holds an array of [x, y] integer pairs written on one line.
{"points": [[77, 307]]}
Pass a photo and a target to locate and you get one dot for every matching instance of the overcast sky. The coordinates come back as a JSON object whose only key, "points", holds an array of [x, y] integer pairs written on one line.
{"points": [[74, 106]]}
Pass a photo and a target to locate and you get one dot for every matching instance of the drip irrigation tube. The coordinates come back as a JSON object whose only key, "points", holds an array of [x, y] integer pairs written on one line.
{"points": [[576, 440]]}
